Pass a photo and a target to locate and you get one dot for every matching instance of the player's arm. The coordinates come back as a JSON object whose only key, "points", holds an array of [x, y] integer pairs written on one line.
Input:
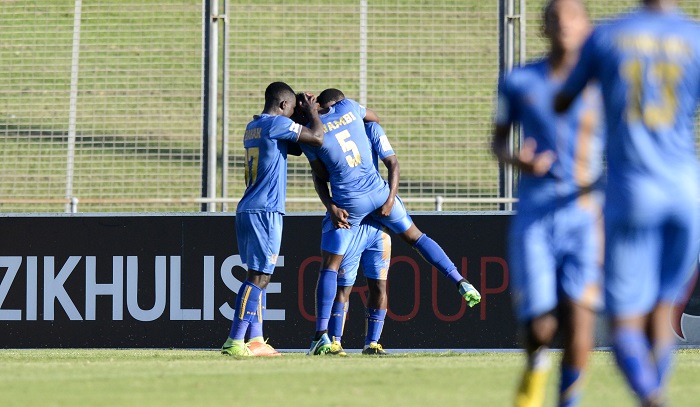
{"points": [[527, 159], [313, 134], [371, 116], [339, 216], [392, 165]]}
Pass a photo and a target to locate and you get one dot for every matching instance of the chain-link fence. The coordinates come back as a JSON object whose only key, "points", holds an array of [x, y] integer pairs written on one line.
{"points": [[427, 68], [102, 99]]}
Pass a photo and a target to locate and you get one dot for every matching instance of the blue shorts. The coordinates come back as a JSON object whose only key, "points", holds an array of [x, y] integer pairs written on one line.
{"points": [[553, 256], [650, 258], [259, 236], [336, 241], [370, 246]]}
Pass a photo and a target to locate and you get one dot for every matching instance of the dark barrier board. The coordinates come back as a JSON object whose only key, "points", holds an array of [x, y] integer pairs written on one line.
{"points": [[170, 281]]}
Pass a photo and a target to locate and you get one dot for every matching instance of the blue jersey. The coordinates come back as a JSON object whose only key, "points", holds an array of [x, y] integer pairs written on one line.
{"points": [[381, 148], [265, 143], [346, 153], [648, 65], [576, 137]]}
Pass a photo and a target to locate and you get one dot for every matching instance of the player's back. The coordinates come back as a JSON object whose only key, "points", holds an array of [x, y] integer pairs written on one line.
{"points": [[649, 67], [265, 142], [346, 152], [379, 142]]}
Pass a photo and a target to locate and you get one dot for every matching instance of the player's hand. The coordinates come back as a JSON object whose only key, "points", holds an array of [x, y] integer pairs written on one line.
{"points": [[532, 162], [308, 103], [339, 217], [385, 209]]}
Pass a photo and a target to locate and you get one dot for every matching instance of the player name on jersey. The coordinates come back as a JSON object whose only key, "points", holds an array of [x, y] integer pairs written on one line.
{"points": [[347, 118]]}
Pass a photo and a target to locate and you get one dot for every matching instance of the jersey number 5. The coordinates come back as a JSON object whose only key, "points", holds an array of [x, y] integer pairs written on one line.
{"points": [[354, 159], [251, 165], [662, 75]]}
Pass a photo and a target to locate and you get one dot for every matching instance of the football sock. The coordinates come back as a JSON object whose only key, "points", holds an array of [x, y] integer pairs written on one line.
{"points": [[570, 386], [531, 391], [256, 325], [246, 309], [325, 294], [433, 254], [337, 321], [663, 358], [633, 355], [375, 323]]}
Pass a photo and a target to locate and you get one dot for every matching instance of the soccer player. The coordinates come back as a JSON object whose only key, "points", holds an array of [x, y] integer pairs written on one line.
{"points": [[648, 64], [259, 213], [371, 247], [555, 248], [358, 193]]}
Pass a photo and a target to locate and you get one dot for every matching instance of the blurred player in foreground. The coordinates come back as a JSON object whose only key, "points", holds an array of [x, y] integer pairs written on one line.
{"points": [[343, 214], [648, 66], [555, 242], [259, 213]]}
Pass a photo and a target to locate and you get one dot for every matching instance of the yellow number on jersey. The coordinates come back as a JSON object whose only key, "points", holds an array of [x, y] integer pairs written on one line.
{"points": [[665, 76], [354, 159], [251, 165]]}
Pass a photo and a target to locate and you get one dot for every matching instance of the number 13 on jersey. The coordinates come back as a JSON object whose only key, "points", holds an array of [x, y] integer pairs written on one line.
{"points": [[354, 158]]}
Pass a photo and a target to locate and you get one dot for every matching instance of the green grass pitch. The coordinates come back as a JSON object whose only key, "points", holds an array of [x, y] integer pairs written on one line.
{"points": [[89, 377]]}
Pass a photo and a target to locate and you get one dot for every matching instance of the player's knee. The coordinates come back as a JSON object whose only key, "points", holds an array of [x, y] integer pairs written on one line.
{"points": [[411, 235], [541, 330], [376, 287]]}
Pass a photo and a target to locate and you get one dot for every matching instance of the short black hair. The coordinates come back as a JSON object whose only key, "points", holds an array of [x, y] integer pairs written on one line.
{"points": [[330, 96], [277, 92]]}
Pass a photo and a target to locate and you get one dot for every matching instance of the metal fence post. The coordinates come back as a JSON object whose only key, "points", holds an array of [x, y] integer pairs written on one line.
{"points": [[224, 109], [73, 103]]}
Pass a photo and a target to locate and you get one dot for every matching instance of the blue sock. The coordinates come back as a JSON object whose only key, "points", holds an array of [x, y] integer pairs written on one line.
{"points": [[570, 386], [633, 355], [337, 321], [246, 309], [433, 254], [663, 358], [256, 325], [325, 294], [375, 323]]}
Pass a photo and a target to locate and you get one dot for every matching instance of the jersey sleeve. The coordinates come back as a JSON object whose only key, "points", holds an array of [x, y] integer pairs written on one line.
{"points": [[283, 128], [585, 69], [357, 108], [379, 140], [506, 104]]}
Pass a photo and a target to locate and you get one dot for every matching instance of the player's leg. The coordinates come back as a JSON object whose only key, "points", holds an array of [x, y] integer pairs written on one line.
{"points": [[334, 244], [534, 293], [375, 263], [400, 222], [339, 312], [678, 266], [376, 314], [346, 279], [259, 238], [632, 258], [257, 342], [577, 325], [578, 240], [326, 287]]}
